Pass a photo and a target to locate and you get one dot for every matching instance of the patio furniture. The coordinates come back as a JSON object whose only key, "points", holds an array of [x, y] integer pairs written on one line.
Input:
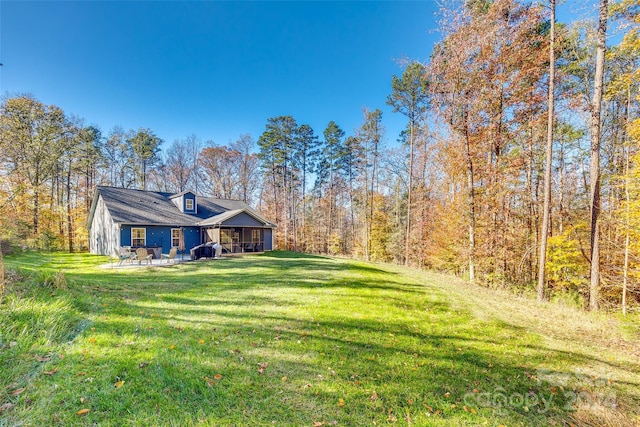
{"points": [[142, 254], [171, 256], [122, 257]]}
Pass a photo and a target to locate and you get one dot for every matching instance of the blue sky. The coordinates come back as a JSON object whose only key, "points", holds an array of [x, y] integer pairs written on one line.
{"points": [[213, 69]]}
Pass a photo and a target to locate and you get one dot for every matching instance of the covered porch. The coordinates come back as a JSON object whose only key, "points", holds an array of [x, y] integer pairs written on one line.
{"points": [[240, 231], [236, 240]]}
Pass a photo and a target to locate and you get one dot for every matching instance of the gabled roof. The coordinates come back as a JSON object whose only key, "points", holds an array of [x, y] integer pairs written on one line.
{"points": [[128, 206], [219, 219], [182, 193]]}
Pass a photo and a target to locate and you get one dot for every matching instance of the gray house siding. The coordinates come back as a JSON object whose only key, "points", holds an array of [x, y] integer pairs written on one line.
{"points": [[157, 235], [268, 239], [104, 238], [242, 220]]}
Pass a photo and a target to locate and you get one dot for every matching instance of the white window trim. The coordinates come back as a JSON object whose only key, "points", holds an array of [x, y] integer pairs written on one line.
{"points": [[145, 235], [186, 204], [178, 243]]}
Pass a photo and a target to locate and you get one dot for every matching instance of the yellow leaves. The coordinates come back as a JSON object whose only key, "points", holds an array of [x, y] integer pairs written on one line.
{"points": [[447, 394], [219, 376], [341, 402], [172, 347], [92, 340], [83, 411], [200, 342], [118, 384], [284, 379]]}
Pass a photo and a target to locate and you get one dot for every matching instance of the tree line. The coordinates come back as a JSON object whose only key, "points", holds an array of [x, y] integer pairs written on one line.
{"points": [[518, 166]]}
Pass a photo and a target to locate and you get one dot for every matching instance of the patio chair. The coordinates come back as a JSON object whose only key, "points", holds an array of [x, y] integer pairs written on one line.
{"points": [[171, 256], [141, 254], [121, 256]]}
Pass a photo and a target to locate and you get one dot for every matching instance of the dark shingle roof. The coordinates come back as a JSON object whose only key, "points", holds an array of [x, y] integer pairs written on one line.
{"points": [[128, 206]]}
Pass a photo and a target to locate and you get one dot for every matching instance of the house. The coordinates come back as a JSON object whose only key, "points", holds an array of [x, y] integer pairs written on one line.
{"points": [[157, 221]]}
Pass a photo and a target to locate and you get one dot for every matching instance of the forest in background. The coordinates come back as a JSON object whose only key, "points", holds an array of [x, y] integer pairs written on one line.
{"points": [[462, 190]]}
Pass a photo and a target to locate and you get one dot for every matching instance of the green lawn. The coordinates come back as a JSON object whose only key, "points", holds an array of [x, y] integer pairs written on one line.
{"points": [[299, 340]]}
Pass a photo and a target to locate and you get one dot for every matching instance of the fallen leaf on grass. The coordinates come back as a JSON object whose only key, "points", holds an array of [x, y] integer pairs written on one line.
{"points": [[374, 396], [92, 340], [341, 402], [51, 372], [262, 367], [118, 384], [171, 347], [17, 392], [42, 358], [6, 407], [201, 342], [83, 411], [217, 377], [318, 423]]}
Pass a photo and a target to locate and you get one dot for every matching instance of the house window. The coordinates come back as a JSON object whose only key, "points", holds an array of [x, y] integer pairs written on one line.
{"points": [[189, 203], [175, 237], [255, 236], [138, 237]]}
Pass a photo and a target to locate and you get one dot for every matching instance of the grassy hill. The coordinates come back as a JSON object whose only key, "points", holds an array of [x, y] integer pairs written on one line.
{"points": [[297, 340]]}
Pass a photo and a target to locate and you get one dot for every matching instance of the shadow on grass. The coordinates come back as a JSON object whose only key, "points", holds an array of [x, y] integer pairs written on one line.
{"points": [[392, 350]]}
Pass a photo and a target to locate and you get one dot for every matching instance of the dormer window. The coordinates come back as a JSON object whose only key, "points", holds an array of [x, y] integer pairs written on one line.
{"points": [[186, 202]]}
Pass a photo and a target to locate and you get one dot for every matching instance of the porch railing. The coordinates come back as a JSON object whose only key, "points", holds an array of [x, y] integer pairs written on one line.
{"points": [[242, 247]]}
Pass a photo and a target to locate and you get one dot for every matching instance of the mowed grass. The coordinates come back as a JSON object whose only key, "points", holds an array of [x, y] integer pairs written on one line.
{"points": [[297, 340]]}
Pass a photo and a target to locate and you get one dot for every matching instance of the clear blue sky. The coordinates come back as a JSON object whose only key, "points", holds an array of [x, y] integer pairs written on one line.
{"points": [[214, 69]]}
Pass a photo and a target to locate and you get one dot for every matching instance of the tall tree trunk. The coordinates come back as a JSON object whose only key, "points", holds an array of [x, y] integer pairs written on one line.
{"points": [[546, 210], [69, 216], [625, 271], [36, 206], [407, 243], [594, 171], [471, 201]]}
